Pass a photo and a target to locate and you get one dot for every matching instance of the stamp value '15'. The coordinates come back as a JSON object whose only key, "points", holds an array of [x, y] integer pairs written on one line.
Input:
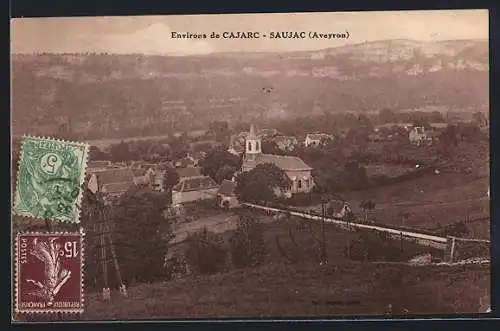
{"points": [[51, 173], [49, 273]]}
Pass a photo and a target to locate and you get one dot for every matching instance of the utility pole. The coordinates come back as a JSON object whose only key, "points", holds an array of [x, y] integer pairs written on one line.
{"points": [[103, 236], [323, 240]]}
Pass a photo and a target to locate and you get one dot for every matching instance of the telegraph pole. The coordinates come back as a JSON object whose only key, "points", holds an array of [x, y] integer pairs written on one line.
{"points": [[323, 240]]}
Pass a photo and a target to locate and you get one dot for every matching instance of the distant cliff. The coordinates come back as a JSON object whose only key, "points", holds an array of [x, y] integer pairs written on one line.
{"points": [[112, 95]]}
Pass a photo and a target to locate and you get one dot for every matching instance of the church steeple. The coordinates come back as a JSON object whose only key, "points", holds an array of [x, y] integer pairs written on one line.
{"points": [[253, 144]]}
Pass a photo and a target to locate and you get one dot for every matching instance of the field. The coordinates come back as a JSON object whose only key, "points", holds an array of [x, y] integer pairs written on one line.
{"points": [[280, 288], [431, 202]]}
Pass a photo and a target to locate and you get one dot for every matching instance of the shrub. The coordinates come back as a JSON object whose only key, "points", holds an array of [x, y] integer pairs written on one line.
{"points": [[247, 243], [205, 252]]}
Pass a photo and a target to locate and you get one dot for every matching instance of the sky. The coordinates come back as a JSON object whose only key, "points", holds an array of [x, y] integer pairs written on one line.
{"points": [[152, 34]]}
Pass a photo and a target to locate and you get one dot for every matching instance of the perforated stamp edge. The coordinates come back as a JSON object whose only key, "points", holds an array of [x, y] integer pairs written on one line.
{"points": [[17, 197], [80, 310]]}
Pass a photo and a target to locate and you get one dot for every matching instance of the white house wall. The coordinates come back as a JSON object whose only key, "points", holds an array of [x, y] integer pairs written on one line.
{"points": [[182, 197]]}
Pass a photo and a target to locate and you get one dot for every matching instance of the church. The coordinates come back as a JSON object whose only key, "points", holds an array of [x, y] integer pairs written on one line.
{"points": [[296, 169]]}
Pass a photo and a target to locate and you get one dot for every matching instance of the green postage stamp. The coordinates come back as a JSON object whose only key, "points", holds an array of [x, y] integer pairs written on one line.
{"points": [[49, 179]]}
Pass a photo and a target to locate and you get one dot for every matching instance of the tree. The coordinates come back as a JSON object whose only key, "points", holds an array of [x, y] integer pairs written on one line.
{"points": [[205, 252], [96, 154], [247, 243], [437, 117], [355, 175], [122, 152], [219, 130], [170, 179], [386, 115], [226, 172], [479, 119], [404, 216], [270, 147], [216, 160], [261, 183], [143, 234], [448, 140], [367, 205], [179, 146]]}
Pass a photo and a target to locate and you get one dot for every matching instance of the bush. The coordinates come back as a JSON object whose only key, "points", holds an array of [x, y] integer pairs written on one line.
{"points": [[247, 243], [205, 252], [458, 229], [379, 246]]}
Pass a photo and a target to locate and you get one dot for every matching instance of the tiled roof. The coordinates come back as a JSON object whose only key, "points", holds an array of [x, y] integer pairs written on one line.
{"points": [[281, 161], [227, 187], [195, 184], [119, 175], [117, 187], [188, 172]]}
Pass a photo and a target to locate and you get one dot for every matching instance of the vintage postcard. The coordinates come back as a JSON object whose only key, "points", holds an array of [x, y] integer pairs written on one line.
{"points": [[254, 165], [49, 273]]}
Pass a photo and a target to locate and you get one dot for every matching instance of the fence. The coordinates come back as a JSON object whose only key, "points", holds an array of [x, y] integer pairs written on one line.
{"points": [[419, 238], [461, 249]]}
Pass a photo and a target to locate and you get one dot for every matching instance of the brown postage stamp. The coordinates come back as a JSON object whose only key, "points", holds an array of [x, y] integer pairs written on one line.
{"points": [[49, 272]]}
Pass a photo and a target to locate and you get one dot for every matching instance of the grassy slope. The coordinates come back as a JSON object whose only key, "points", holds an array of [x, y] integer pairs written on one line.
{"points": [[280, 289], [283, 290]]}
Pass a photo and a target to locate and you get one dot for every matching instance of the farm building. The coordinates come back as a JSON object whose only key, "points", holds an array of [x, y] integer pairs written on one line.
{"points": [[317, 139], [113, 182], [194, 188]]}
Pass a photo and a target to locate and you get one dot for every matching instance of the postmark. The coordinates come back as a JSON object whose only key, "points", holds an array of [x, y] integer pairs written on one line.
{"points": [[49, 272], [49, 179]]}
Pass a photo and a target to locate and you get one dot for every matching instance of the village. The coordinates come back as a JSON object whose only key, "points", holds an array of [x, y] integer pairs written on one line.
{"points": [[193, 184], [428, 179]]}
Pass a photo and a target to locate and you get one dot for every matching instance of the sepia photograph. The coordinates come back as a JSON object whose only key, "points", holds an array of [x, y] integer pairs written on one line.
{"points": [[298, 165]]}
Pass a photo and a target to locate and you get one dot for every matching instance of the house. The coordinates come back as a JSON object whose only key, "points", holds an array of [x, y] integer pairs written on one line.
{"points": [[317, 139], [433, 136], [94, 166], [338, 209], [197, 156], [286, 143], [237, 145], [296, 169], [194, 188], [417, 135], [185, 162], [143, 176], [393, 126], [226, 195], [114, 182]]}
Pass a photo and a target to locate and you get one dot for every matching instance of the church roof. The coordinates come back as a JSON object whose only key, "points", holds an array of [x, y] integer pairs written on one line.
{"points": [[281, 161], [253, 133]]}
